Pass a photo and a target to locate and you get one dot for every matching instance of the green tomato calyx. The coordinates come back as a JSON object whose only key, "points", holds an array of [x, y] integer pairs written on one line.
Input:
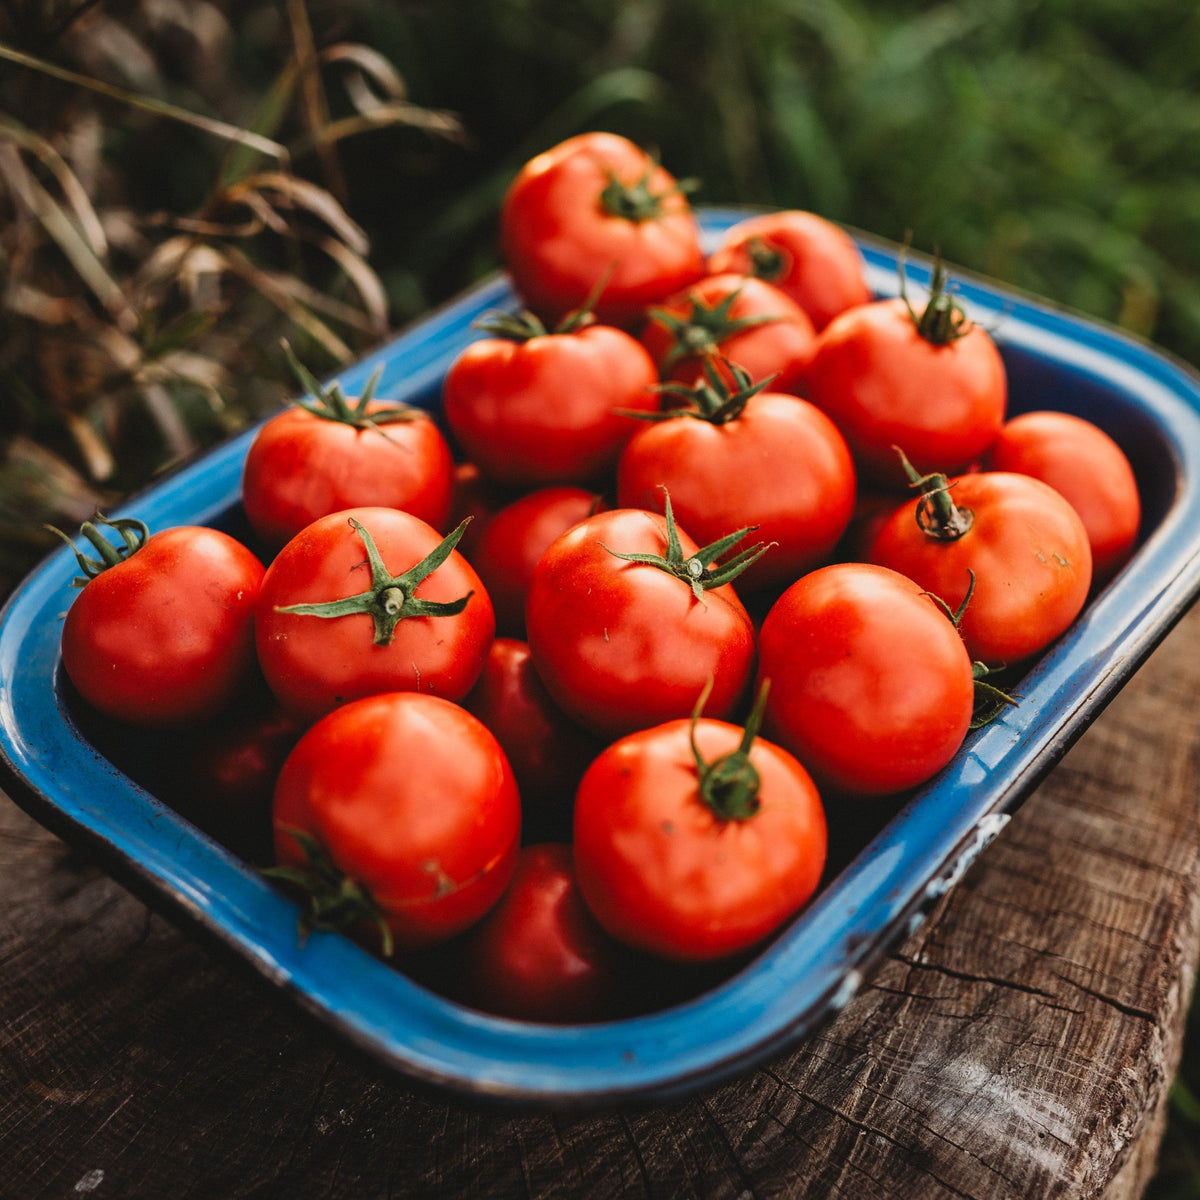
{"points": [[389, 599], [766, 262], [635, 201], [713, 399], [698, 571], [703, 329], [943, 320], [331, 404], [134, 535], [331, 899], [938, 517], [729, 785]]}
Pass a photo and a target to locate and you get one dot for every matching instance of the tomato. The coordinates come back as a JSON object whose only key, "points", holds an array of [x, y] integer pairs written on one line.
{"points": [[532, 408], [932, 384], [548, 752], [162, 633], [598, 211], [370, 600], [397, 813], [871, 684], [516, 537], [1024, 544], [739, 318], [476, 500], [808, 258], [745, 456], [539, 954], [324, 455], [1080, 460], [694, 840], [627, 621]]}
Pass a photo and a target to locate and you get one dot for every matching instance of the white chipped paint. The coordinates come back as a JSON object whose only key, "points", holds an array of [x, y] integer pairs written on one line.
{"points": [[985, 833], [846, 990]]}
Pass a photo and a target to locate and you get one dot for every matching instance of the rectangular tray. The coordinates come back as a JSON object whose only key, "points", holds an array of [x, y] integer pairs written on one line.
{"points": [[1150, 403]]}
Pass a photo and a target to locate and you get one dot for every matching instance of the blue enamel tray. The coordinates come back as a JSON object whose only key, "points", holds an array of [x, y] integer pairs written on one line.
{"points": [[1055, 360]]}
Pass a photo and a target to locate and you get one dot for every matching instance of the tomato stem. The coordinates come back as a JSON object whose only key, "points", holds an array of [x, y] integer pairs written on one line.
{"points": [[698, 571], [330, 403], [389, 599], [729, 785], [134, 534], [938, 517], [635, 201], [712, 400], [943, 319], [703, 328], [766, 262]]}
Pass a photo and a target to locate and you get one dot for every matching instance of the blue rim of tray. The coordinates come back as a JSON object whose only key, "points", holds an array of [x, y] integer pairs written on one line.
{"points": [[818, 963]]}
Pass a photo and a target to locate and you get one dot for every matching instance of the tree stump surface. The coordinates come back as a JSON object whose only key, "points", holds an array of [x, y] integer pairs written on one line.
{"points": [[1020, 1044]]}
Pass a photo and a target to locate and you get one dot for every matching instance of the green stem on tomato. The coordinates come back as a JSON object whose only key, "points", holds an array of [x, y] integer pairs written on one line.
{"points": [[729, 785]]}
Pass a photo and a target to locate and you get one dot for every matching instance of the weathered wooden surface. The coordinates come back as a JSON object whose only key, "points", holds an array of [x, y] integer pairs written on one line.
{"points": [[1019, 1045]]}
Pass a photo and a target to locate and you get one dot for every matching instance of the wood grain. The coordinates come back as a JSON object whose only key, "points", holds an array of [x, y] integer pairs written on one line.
{"points": [[1018, 1045]]}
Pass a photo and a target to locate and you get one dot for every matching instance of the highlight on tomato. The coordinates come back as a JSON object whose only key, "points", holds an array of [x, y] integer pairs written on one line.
{"points": [[1019, 540], [872, 687], [696, 839], [598, 207], [733, 454], [1078, 459], [325, 454], [396, 818], [627, 619], [370, 600], [807, 257], [162, 632], [932, 382]]}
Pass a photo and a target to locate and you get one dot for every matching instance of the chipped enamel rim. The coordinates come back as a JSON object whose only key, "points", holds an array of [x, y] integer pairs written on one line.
{"points": [[818, 963]]}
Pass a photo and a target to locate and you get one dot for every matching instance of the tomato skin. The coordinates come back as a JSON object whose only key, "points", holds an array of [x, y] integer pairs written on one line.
{"points": [[884, 386], [781, 346], [166, 636], [544, 411], [312, 664], [621, 645], [781, 465], [301, 466], [1080, 460], [413, 798], [516, 537], [1029, 552], [539, 954], [819, 266], [871, 685], [661, 872], [559, 241], [547, 751]]}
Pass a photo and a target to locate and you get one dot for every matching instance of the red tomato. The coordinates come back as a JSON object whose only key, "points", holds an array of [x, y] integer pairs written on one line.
{"points": [[324, 455], [597, 210], [477, 500], [546, 409], [933, 384], [370, 600], [548, 752], [397, 811], [162, 633], [516, 537], [696, 860], [1026, 545], [871, 685], [736, 317], [622, 645], [747, 457], [1082, 462], [539, 954], [806, 257]]}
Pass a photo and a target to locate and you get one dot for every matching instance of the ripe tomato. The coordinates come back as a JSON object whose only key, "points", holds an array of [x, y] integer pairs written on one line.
{"points": [[933, 384], [535, 408], [806, 257], [598, 210], [539, 954], [739, 318], [623, 643], [1082, 462], [1024, 543], [324, 455], [398, 811], [370, 600], [474, 499], [548, 752], [871, 685], [695, 841], [516, 537], [745, 456], [162, 633]]}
